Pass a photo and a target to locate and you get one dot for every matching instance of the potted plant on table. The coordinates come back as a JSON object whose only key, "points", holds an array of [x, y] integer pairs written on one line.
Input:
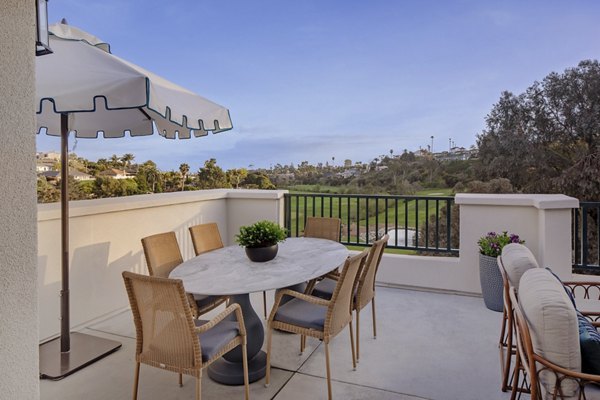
{"points": [[490, 247], [260, 240]]}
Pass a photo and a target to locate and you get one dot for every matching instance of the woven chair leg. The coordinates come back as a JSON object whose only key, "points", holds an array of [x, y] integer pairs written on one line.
{"points": [[352, 346], [268, 374], [357, 335], [329, 393], [199, 387], [374, 320], [301, 344], [245, 364], [136, 380], [265, 303], [180, 380]]}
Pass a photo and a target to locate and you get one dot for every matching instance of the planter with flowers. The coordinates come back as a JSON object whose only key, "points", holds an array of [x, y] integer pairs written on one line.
{"points": [[260, 240], [490, 247]]}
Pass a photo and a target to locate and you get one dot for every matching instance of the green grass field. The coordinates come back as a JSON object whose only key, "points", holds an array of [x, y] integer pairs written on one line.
{"points": [[400, 212]]}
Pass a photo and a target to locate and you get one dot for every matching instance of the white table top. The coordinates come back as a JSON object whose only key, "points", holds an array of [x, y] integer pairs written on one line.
{"points": [[228, 271]]}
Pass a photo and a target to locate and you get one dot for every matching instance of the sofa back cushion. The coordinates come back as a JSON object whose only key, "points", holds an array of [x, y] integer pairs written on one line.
{"points": [[552, 322], [517, 259]]}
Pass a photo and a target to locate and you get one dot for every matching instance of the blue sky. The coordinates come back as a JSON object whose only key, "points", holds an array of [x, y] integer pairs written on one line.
{"points": [[316, 79]]}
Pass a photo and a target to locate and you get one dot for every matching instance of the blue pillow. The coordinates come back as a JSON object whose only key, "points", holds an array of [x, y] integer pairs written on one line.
{"points": [[589, 342]]}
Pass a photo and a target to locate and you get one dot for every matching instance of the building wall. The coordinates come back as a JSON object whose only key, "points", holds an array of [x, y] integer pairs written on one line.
{"points": [[18, 269], [105, 240]]}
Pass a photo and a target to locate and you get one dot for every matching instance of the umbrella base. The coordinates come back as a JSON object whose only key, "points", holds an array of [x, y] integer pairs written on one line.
{"points": [[85, 350]]}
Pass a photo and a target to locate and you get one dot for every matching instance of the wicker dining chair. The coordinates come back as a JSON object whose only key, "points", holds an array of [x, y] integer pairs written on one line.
{"points": [[162, 256], [168, 337], [319, 318], [205, 238], [323, 228], [365, 287]]}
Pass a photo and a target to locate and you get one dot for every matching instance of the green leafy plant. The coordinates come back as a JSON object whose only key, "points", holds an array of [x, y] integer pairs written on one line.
{"points": [[492, 243], [261, 234]]}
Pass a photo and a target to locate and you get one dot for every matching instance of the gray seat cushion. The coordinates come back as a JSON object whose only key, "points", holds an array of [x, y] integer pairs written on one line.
{"points": [[302, 313], [215, 338], [324, 289]]}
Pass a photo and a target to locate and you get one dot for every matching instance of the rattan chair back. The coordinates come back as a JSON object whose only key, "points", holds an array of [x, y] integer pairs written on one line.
{"points": [[340, 308], [162, 253], [323, 228], [164, 324], [206, 237], [366, 282], [533, 364]]}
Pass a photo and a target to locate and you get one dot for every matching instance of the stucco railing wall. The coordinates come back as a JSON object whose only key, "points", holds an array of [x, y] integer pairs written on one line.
{"points": [[105, 240], [544, 221]]}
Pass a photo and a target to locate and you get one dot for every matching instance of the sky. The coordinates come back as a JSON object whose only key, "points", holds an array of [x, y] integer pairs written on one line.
{"points": [[328, 80]]}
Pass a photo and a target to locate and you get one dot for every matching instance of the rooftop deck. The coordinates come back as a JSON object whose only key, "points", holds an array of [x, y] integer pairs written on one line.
{"points": [[430, 345]]}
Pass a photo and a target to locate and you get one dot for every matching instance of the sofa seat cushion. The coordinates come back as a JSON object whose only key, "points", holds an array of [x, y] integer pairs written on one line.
{"points": [[553, 325], [517, 259]]}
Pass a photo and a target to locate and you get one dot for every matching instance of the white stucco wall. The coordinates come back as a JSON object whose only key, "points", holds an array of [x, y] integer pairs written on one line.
{"points": [[105, 240], [543, 221], [18, 289]]}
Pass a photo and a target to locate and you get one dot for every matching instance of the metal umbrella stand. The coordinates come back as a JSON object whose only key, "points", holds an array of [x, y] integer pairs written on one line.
{"points": [[85, 90]]}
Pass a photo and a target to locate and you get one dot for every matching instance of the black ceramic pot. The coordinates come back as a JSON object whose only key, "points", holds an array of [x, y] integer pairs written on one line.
{"points": [[262, 254]]}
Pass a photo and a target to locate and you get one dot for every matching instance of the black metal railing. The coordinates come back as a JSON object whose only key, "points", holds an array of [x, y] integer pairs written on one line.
{"points": [[420, 223], [586, 237]]}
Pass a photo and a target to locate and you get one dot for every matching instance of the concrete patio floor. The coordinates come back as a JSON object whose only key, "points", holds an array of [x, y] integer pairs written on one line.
{"points": [[429, 346]]}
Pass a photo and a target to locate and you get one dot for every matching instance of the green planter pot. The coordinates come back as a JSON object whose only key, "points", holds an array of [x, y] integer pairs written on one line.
{"points": [[491, 282]]}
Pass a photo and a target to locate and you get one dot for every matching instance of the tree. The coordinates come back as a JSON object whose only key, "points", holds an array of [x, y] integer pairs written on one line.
{"points": [[184, 169], [211, 176], [148, 178], [126, 159], [236, 176], [547, 139], [258, 180], [115, 161]]}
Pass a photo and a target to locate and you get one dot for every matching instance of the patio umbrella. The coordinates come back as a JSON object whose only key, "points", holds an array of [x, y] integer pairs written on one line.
{"points": [[84, 89]]}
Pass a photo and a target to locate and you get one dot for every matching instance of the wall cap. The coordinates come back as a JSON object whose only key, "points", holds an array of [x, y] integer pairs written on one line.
{"points": [[78, 208], [539, 201]]}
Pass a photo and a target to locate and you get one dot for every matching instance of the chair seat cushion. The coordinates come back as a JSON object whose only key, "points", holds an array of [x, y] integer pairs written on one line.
{"points": [[215, 338], [325, 288], [302, 313], [589, 341]]}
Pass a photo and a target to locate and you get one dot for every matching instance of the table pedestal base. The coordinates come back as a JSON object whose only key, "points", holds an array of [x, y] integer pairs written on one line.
{"points": [[232, 373]]}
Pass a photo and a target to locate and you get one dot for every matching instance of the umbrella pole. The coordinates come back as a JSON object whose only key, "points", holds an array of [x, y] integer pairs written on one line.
{"points": [[71, 351], [65, 337]]}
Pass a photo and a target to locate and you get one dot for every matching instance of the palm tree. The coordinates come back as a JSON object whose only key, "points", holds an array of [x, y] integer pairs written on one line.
{"points": [[184, 169], [126, 159], [115, 161]]}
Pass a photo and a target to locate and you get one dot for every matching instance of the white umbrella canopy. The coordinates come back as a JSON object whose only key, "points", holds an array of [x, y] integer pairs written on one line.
{"points": [[83, 89], [105, 95]]}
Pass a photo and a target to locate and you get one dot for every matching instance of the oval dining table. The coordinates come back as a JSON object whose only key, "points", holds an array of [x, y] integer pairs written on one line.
{"points": [[229, 272]]}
